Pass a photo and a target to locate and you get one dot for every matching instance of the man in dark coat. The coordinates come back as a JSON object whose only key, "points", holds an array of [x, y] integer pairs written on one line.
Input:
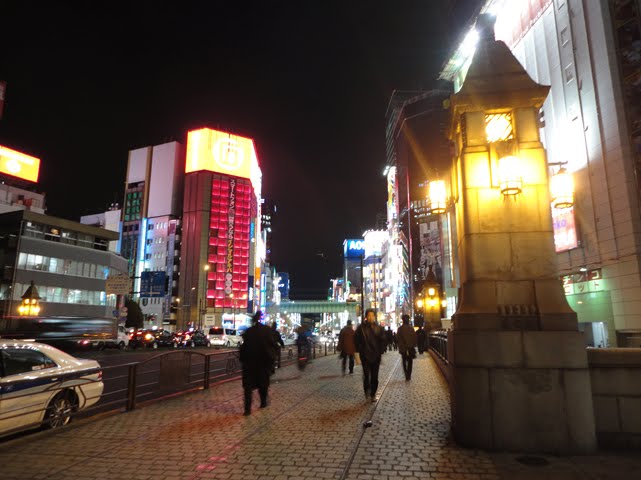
{"points": [[257, 358], [370, 344], [420, 339], [346, 346], [407, 340]]}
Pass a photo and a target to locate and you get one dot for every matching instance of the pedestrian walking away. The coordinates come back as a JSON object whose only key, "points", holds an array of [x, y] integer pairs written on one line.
{"points": [[420, 339], [257, 358], [370, 343], [279, 344], [346, 347], [389, 335], [407, 339]]}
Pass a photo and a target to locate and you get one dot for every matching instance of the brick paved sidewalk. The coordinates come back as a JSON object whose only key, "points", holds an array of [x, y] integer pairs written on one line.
{"points": [[313, 429]]}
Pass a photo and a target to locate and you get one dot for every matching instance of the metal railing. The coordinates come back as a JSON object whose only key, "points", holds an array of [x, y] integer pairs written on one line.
{"points": [[128, 385], [437, 342]]}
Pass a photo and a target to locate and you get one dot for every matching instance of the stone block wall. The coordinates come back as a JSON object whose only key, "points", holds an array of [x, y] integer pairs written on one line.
{"points": [[615, 375]]}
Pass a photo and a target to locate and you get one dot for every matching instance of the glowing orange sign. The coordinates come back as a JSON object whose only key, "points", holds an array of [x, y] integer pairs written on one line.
{"points": [[19, 165], [223, 153]]}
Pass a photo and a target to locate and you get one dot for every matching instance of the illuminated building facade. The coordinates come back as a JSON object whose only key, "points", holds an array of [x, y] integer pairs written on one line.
{"points": [[268, 212], [353, 258], [222, 248], [417, 152], [591, 126], [150, 235], [374, 288]]}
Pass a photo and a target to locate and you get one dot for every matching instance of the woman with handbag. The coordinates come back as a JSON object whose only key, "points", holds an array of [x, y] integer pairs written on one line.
{"points": [[407, 340]]}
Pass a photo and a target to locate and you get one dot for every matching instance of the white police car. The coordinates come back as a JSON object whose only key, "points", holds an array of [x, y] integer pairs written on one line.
{"points": [[41, 385]]}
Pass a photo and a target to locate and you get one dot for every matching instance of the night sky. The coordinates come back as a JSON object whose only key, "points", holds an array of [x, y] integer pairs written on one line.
{"points": [[309, 81]]}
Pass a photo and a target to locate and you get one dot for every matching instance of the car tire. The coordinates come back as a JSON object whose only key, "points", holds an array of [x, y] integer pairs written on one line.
{"points": [[60, 410], [154, 345], [121, 346], [228, 344], [208, 344]]}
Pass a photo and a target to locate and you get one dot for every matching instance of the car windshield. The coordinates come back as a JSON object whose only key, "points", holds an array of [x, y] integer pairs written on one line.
{"points": [[216, 331]]}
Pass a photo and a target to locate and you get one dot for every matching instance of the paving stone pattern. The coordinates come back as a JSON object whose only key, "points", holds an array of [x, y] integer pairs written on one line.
{"points": [[312, 429]]}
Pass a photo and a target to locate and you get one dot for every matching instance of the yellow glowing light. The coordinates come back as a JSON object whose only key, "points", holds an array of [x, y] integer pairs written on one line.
{"points": [[510, 180], [431, 291], [498, 127], [443, 303], [222, 152], [18, 164], [419, 303], [562, 189], [437, 196], [433, 302]]}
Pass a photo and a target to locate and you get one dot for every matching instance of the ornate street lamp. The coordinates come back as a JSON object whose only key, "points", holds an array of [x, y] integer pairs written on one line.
{"points": [[30, 302], [562, 189], [510, 180], [437, 197]]}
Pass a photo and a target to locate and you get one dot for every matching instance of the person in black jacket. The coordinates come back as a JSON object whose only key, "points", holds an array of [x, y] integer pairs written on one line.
{"points": [[279, 344], [370, 344], [257, 358], [420, 339]]}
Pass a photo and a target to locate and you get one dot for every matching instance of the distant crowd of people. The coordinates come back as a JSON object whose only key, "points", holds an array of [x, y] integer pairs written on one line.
{"points": [[260, 352]]}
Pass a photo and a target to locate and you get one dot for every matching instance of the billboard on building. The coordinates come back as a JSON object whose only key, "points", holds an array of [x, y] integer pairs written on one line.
{"points": [[224, 153], [565, 237], [233, 205], [19, 164], [354, 248]]}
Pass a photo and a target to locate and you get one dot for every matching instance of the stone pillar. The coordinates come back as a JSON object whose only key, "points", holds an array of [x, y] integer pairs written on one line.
{"points": [[520, 371]]}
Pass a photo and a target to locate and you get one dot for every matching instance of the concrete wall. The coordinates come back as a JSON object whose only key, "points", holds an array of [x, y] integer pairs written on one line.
{"points": [[616, 391]]}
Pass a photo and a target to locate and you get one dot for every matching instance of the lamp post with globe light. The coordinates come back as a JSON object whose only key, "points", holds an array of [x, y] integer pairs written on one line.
{"points": [[30, 305]]}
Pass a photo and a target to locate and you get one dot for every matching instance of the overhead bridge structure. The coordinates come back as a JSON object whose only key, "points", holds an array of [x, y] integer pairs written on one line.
{"points": [[333, 314]]}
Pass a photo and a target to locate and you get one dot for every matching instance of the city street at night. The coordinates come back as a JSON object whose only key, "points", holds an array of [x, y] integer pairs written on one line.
{"points": [[210, 210], [314, 428]]}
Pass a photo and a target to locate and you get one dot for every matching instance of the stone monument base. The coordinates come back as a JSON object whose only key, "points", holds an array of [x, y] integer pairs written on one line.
{"points": [[521, 391]]}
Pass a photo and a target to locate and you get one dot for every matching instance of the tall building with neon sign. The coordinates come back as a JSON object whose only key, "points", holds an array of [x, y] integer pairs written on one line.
{"points": [[221, 239]]}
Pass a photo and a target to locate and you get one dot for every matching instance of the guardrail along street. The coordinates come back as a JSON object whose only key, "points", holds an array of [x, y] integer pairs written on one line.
{"points": [[128, 385]]}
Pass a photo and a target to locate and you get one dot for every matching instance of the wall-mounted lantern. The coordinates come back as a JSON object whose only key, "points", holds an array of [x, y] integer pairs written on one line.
{"points": [[510, 180], [437, 197], [562, 189]]}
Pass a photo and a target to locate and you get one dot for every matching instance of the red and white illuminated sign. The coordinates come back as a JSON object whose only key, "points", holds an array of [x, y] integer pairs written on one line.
{"points": [[565, 237], [233, 206], [222, 152], [19, 165]]}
